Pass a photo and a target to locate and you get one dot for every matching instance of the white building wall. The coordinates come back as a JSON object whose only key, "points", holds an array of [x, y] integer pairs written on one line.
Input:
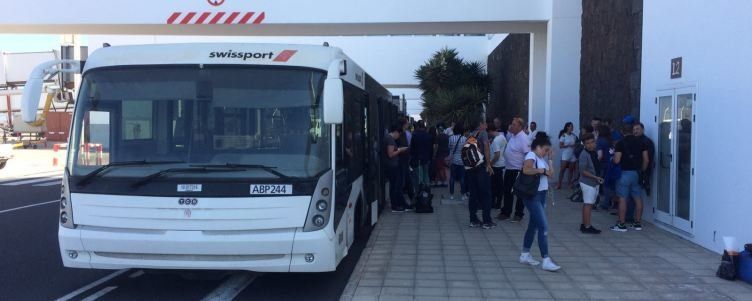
{"points": [[714, 38]]}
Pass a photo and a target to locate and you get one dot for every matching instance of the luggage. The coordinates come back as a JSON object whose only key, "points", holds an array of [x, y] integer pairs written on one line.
{"points": [[424, 200], [745, 264], [728, 267]]}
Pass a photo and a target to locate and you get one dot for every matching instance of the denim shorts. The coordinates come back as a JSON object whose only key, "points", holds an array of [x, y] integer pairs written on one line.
{"points": [[629, 185]]}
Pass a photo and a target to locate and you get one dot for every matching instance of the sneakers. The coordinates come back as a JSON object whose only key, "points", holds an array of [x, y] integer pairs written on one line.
{"points": [[526, 258], [475, 224], [549, 265], [619, 228], [502, 217], [516, 219], [637, 226], [410, 208], [451, 197], [464, 198], [489, 225], [398, 209], [589, 230]]}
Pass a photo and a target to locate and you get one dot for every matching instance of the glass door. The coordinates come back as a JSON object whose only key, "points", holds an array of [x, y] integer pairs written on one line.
{"points": [[675, 170], [664, 157], [684, 122]]}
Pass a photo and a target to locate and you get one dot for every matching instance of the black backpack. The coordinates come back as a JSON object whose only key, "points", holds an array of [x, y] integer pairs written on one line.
{"points": [[471, 156], [424, 200]]}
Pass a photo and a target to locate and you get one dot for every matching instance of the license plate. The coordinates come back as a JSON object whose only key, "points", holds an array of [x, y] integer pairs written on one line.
{"points": [[189, 187], [266, 189]]}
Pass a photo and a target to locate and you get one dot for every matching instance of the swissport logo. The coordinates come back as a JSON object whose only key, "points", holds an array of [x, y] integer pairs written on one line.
{"points": [[216, 18], [282, 57]]}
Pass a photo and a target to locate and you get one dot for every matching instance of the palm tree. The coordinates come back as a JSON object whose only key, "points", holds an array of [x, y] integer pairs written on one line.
{"points": [[453, 90]]}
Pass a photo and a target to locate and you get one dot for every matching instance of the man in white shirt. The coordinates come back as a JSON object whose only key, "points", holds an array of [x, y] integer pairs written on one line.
{"points": [[514, 156], [533, 132], [498, 144]]}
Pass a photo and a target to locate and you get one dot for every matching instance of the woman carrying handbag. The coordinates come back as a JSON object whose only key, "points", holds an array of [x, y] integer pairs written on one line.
{"points": [[532, 187]]}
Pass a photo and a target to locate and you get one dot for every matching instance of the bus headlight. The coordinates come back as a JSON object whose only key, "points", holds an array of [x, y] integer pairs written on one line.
{"points": [[322, 205], [319, 210], [318, 221], [66, 208]]}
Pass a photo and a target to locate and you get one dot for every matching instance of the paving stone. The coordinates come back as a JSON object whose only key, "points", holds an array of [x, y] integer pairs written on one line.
{"points": [[537, 294], [400, 291], [367, 291], [431, 291], [567, 294], [498, 293], [437, 257], [464, 292], [431, 298], [395, 298], [399, 282], [371, 282], [430, 283]]}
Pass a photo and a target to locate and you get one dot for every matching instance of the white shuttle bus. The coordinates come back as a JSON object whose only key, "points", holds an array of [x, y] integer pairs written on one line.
{"points": [[261, 157]]}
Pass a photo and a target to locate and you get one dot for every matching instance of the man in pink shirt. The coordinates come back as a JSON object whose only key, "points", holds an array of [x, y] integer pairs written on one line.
{"points": [[514, 155]]}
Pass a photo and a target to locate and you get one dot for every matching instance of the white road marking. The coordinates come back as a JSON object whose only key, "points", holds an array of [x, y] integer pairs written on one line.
{"points": [[27, 206], [47, 173], [53, 183], [100, 293], [91, 285], [136, 274], [229, 289], [22, 182]]}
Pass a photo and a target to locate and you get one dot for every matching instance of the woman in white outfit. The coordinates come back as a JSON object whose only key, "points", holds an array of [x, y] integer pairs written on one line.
{"points": [[567, 142]]}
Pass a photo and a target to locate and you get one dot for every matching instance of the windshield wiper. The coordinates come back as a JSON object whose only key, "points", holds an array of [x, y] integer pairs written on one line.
{"points": [[269, 169], [161, 173], [90, 176]]}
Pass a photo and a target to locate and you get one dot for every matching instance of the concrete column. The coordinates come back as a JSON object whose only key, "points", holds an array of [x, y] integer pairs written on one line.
{"points": [[537, 82], [562, 102]]}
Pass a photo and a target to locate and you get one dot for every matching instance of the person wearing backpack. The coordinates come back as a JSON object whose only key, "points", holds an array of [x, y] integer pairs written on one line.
{"points": [[479, 170], [535, 165]]}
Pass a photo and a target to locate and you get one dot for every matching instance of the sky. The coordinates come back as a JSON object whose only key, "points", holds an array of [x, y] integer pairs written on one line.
{"points": [[28, 42]]}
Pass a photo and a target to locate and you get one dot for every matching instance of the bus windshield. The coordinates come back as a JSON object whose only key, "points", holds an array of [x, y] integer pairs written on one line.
{"points": [[208, 115]]}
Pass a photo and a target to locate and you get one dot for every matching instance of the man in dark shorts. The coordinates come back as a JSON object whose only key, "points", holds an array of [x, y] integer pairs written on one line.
{"points": [[631, 155]]}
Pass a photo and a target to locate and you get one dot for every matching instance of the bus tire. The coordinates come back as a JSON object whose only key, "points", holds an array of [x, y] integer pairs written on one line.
{"points": [[362, 220]]}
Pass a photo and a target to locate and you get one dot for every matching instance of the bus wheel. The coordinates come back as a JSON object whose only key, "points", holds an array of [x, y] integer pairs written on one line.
{"points": [[362, 221]]}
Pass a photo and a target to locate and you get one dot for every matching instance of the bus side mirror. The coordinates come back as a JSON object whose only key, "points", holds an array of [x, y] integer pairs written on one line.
{"points": [[333, 101]]}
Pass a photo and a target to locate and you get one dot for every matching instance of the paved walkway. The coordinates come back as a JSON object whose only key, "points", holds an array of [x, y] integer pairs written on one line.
{"points": [[438, 257]]}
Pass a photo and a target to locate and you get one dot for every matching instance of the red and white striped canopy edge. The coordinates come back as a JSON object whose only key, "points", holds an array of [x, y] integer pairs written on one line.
{"points": [[216, 18]]}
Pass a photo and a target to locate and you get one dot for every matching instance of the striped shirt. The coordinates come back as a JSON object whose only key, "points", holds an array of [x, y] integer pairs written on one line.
{"points": [[455, 148]]}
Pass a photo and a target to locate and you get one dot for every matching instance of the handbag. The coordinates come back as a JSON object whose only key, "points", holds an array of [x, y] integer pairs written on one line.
{"points": [[526, 186]]}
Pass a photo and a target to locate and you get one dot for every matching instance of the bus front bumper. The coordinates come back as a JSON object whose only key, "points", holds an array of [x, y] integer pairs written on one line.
{"points": [[272, 250]]}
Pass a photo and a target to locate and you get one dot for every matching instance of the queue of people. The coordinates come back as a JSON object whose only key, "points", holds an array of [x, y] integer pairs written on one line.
{"points": [[610, 169]]}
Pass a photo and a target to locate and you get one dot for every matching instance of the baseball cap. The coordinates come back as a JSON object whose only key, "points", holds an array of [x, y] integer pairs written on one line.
{"points": [[628, 119]]}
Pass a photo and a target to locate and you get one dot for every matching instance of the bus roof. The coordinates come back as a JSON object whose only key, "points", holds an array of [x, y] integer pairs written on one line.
{"points": [[311, 56]]}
